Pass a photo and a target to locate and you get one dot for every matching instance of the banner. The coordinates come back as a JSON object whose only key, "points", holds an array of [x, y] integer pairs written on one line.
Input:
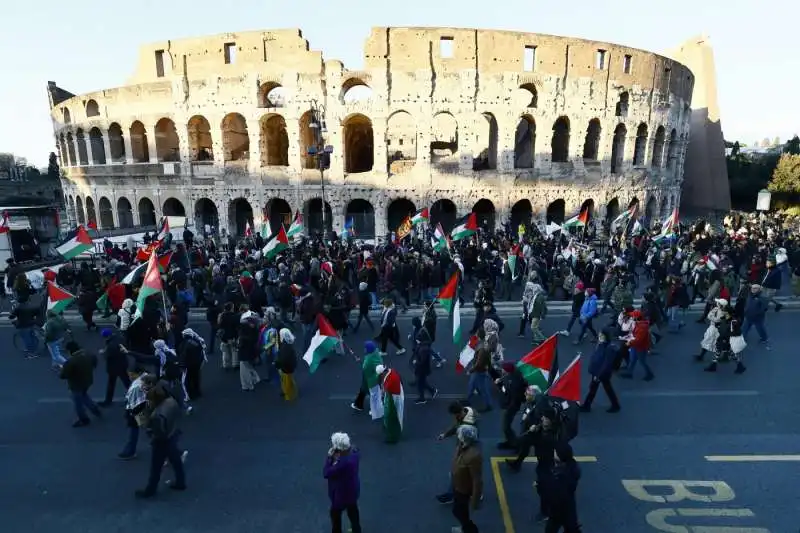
{"points": [[404, 229]]}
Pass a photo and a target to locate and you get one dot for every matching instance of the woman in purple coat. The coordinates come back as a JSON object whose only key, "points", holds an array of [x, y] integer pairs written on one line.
{"points": [[341, 471]]}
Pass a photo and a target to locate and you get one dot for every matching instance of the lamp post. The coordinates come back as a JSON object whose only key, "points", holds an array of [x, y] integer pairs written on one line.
{"points": [[320, 151]]}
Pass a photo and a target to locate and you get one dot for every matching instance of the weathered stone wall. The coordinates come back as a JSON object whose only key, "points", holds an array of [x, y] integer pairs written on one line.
{"points": [[227, 117]]}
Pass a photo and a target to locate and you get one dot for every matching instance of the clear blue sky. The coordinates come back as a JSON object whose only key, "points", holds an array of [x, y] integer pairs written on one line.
{"points": [[89, 45]]}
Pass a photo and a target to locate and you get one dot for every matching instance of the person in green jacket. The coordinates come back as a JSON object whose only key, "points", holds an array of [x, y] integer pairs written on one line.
{"points": [[370, 382]]}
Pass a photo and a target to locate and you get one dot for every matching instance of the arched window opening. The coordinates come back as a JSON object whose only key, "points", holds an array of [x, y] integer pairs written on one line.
{"points": [[444, 141], [98, 148], [521, 213], [79, 212], [147, 212], [532, 95], [622, 104], [618, 149], [360, 215], [588, 206], [201, 145], [116, 144], [206, 217], [485, 213], [612, 209], [658, 148], [308, 138], [271, 94], [397, 211], [560, 144], [173, 208], [63, 152], [525, 143], [73, 215], [279, 213], [235, 138], [651, 209], [71, 149], [358, 144], [484, 155], [274, 141], [640, 148], [443, 212], [312, 212], [92, 109], [591, 146], [401, 142], [672, 150], [83, 157], [124, 213], [66, 116], [106, 213], [240, 214], [555, 211], [140, 151], [91, 213], [167, 144], [355, 90]]}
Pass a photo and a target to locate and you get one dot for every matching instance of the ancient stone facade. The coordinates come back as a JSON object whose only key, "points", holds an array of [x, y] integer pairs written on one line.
{"points": [[508, 124]]}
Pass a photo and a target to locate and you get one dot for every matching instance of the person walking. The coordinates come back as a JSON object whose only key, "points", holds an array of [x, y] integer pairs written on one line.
{"points": [[286, 364], [560, 487], [136, 412], [601, 368], [344, 486], [467, 476], [116, 365], [55, 329], [78, 371], [370, 382]]}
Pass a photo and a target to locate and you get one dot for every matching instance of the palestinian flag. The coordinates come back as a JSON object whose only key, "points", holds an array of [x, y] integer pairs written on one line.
{"points": [[624, 218], [276, 245], [57, 298], [103, 303], [266, 230], [4, 225], [447, 294], [671, 224], [77, 242], [150, 285], [538, 365], [297, 225], [567, 386], [439, 239], [324, 342], [164, 231], [92, 225], [467, 354], [133, 274], [420, 216], [393, 403], [711, 262], [465, 227], [457, 322], [144, 252], [512, 259], [578, 221], [164, 261]]}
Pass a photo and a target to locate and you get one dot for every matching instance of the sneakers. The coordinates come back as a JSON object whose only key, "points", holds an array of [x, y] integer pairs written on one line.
{"points": [[81, 422], [401, 351], [184, 454], [445, 499], [126, 457], [420, 401], [354, 407], [435, 394]]}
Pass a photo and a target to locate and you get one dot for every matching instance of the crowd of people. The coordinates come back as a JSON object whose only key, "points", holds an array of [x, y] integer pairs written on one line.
{"points": [[256, 308]]}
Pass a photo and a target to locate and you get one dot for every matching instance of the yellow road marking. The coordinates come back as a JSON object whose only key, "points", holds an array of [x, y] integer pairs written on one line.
{"points": [[752, 458], [505, 511]]}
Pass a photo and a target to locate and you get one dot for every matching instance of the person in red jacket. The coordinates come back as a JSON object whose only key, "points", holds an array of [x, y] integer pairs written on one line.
{"points": [[639, 346]]}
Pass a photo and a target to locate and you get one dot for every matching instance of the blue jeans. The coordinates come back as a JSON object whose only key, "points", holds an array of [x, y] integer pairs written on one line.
{"points": [[55, 352], [133, 440], [481, 382], [639, 356], [672, 317], [759, 324], [29, 339], [81, 401]]}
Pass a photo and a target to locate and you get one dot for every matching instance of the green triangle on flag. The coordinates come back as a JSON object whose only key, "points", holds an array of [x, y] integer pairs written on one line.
{"points": [[57, 298], [448, 293], [538, 365], [324, 342]]}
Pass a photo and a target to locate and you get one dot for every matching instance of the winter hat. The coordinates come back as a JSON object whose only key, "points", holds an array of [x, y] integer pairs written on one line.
{"points": [[508, 367], [286, 336], [340, 441], [370, 347], [722, 302]]}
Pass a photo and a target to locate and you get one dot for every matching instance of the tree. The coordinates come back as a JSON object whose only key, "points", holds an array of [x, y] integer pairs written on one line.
{"points": [[792, 146], [786, 177], [52, 166], [735, 149], [6, 160]]}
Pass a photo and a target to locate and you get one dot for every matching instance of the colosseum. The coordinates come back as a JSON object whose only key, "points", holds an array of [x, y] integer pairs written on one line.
{"points": [[232, 128]]}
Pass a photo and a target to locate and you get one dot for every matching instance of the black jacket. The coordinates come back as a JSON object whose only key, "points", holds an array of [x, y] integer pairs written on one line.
{"points": [[79, 371], [287, 359], [116, 361]]}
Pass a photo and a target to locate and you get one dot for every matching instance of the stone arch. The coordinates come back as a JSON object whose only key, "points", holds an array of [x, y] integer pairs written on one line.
{"points": [[355, 89], [556, 211], [167, 143], [618, 149], [398, 210], [521, 213], [279, 213], [485, 213], [62, 151], [657, 160], [235, 138], [401, 142], [559, 146], [106, 213], [274, 141], [140, 150], [71, 149], [672, 150], [443, 212], [98, 147], [79, 212], [91, 213], [359, 144], [622, 104], [124, 212], [116, 144], [362, 216], [634, 202], [312, 213], [651, 208], [173, 208], [92, 109], [201, 143], [532, 94], [73, 214], [147, 212], [591, 146], [612, 209], [525, 142], [240, 213], [271, 95], [308, 138], [66, 116], [83, 156], [588, 205], [640, 148], [444, 140], [206, 214], [484, 155]]}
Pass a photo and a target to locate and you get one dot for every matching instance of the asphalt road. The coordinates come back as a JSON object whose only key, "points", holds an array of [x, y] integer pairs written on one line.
{"points": [[255, 462]]}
